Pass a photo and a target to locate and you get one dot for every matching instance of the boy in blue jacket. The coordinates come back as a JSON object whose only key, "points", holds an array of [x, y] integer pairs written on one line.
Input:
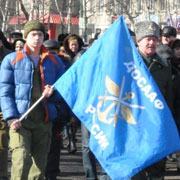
{"points": [[25, 75]]}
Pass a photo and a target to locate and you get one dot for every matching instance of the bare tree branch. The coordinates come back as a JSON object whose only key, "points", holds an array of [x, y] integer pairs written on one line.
{"points": [[61, 16], [24, 9]]}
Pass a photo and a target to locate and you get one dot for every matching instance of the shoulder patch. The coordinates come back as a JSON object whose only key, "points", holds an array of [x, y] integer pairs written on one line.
{"points": [[19, 56]]}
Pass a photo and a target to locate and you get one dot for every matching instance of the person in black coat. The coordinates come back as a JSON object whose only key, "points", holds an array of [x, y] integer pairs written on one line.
{"points": [[53, 161], [175, 61]]}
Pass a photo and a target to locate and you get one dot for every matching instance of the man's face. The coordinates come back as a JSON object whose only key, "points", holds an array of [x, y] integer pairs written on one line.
{"points": [[147, 46], [167, 39], [35, 39]]}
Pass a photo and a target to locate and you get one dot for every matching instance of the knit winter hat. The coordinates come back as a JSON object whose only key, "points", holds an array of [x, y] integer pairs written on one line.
{"points": [[146, 28], [33, 25]]}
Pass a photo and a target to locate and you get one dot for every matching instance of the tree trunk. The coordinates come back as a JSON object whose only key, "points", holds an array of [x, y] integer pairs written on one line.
{"points": [[31, 14], [18, 14], [69, 17], [85, 19], [5, 14], [24, 10], [61, 17]]}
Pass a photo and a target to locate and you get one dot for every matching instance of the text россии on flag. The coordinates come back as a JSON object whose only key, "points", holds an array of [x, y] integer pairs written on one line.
{"points": [[113, 94]]}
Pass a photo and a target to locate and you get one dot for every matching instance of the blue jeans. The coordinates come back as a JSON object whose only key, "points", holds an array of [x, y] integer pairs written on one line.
{"points": [[89, 161]]}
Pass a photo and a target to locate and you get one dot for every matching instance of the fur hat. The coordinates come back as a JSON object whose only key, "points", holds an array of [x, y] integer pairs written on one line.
{"points": [[169, 31], [33, 26], [146, 28], [16, 35]]}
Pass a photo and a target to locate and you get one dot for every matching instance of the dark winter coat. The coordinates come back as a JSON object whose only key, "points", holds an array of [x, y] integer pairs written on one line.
{"points": [[162, 73], [176, 90], [3, 52]]}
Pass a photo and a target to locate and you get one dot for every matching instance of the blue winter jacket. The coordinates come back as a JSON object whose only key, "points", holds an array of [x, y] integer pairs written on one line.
{"points": [[16, 82]]}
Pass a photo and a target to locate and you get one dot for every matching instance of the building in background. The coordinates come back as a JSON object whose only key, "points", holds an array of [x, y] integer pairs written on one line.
{"points": [[86, 17], [53, 13], [100, 14]]}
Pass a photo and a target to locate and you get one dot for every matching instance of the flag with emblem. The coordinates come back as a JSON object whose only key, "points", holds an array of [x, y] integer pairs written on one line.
{"points": [[113, 94]]}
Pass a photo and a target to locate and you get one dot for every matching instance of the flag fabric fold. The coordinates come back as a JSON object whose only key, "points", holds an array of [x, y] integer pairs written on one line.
{"points": [[114, 95]]}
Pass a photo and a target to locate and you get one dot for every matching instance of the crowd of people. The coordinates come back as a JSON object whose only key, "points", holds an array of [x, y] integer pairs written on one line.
{"points": [[31, 63]]}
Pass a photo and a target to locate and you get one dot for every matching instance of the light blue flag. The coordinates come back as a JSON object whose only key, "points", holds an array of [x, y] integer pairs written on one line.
{"points": [[113, 94]]}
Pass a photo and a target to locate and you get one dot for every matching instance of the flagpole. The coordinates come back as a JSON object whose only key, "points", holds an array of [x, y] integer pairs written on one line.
{"points": [[31, 108]]}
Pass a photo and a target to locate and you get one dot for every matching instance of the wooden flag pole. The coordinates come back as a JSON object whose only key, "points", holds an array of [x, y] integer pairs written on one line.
{"points": [[31, 108]]}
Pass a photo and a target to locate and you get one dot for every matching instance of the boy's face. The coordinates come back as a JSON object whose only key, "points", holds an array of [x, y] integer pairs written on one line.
{"points": [[35, 39]]}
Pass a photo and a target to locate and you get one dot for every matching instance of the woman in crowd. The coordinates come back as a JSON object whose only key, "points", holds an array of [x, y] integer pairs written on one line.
{"points": [[72, 45], [18, 44]]}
